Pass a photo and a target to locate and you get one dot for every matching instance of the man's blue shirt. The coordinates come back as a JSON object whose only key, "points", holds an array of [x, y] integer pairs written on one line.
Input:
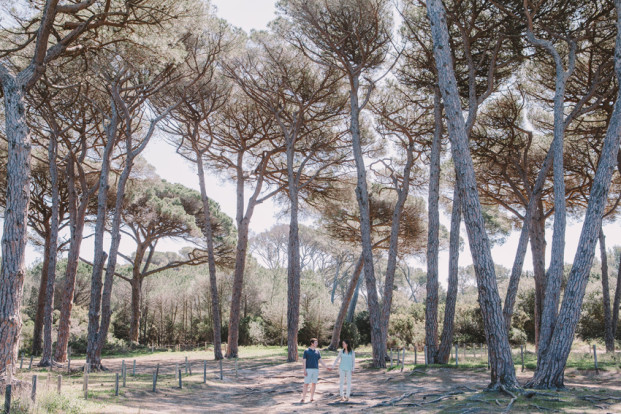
{"points": [[312, 358]]}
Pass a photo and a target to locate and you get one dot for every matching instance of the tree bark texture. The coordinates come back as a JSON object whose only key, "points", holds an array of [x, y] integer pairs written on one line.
{"points": [[534, 203], [538, 251], [362, 195], [554, 276], [47, 357], [446, 341], [37, 335], [551, 367], [293, 257], [351, 289], [500, 359], [616, 303], [14, 235], [99, 254], [115, 235], [134, 327], [609, 338], [433, 234], [77, 217], [351, 312], [213, 281]]}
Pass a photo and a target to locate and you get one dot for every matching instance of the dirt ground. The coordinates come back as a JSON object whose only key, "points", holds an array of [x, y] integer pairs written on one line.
{"points": [[267, 385]]}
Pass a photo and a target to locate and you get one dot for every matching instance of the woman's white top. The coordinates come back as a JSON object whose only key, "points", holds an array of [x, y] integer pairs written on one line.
{"points": [[347, 360]]}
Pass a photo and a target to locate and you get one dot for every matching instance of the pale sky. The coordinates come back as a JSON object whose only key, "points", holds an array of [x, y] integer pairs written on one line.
{"points": [[255, 14]]}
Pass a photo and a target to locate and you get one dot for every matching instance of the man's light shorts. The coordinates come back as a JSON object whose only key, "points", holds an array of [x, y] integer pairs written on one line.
{"points": [[312, 375]]}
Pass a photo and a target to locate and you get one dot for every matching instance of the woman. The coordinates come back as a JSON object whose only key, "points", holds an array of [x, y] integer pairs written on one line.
{"points": [[347, 357]]}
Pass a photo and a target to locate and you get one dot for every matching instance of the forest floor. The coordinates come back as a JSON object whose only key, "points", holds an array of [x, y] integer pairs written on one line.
{"points": [[264, 384]]}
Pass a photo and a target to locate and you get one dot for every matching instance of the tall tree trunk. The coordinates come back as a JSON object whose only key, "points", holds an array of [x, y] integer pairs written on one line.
{"points": [[616, 303], [609, 338], [500, 359], [433, 234], [293, 277], [47, 357], [77, 216], [115, 235], [554, 276], [99, 254], [238, 281], [389, 279], [538, 251], [37, 335], [551, 367], [534, 205], [293, 252], [15, 233], [351, 288], [446, 341], [362, 194], [351, 312], [136, 286], [134, 327], [213, 280]]}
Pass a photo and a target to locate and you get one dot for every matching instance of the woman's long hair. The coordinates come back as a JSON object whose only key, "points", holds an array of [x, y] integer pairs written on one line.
{"points": [[349, 348]]}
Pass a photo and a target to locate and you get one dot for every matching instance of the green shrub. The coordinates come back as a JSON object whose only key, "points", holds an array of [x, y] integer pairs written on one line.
{"points": [[363, 324], [350, 332]]}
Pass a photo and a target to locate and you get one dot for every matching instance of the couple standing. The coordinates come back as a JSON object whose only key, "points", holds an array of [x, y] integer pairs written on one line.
{"points": [[311, 361]]}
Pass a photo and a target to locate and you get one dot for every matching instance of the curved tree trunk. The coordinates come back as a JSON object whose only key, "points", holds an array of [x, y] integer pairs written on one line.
{"points": [[213, 280], [37, 336], [433, 235], [516, 271], [551, 367], [15, 233], [47, 357], [609, 338], [362, 195], [500, 359], [446, 341], [554, 275], [343, 311]]}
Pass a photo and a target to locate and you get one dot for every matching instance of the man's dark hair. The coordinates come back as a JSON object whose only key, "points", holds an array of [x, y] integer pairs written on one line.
{"points": [[313, 340]]}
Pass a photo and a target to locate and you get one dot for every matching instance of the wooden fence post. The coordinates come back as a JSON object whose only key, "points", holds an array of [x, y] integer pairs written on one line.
{"points": [[205, 372], [403, 360], [415, 356], [85, 385], [116, 384], [425, 352], [21, 362], [390, 357], [180, 383], [235, 367], [59, 383], [186, 365], [221, 375], [595, 358], [30, 365], [7, 399], [456, 355], [124, 372], [134, 369], [33, 395], [154, 380], [522, 352]]}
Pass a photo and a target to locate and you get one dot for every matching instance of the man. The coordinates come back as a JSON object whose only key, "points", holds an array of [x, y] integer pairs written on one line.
{"points": [[311, 361]]}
